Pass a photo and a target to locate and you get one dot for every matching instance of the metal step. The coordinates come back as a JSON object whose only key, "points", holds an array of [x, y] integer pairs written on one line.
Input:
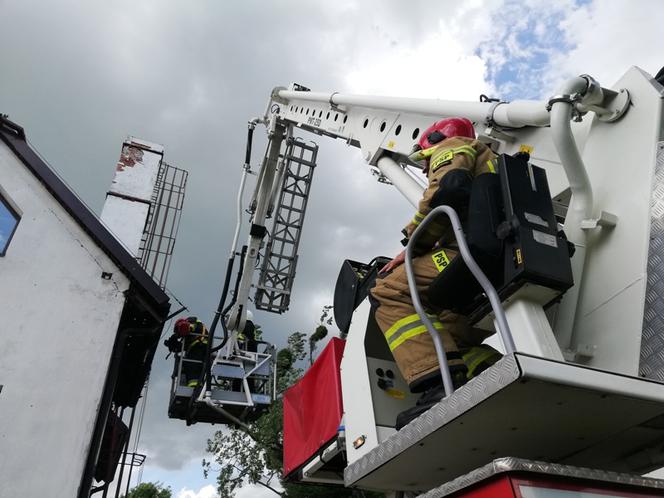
{"points": [[277, 272], [524, 407]]}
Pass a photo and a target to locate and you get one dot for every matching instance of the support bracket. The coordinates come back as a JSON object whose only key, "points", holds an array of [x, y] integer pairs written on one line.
{"points": [[605, 220]]}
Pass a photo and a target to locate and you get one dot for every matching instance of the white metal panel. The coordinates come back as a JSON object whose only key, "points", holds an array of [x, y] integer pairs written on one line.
{"points": [[126, 219], [620, 158], [388, 404], [359, 418], [58, 326]]}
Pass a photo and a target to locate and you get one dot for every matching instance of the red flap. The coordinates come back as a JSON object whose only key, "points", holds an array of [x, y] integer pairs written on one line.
{"points": [[313, 407]]}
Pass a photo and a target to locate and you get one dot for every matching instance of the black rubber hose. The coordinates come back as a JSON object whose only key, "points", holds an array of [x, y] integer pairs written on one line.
{"points": [[224, 294], [250, 137], [206, 372], [243, 254]]}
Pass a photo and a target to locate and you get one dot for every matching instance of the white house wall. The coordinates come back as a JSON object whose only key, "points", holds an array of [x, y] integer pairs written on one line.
{"points": [[58, 321]]}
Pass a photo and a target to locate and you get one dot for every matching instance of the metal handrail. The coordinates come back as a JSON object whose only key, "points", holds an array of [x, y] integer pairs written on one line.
{"points": [[490, 291]]}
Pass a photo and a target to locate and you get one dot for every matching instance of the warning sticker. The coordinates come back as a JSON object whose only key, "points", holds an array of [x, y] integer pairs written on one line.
{"points": [[395, 393], [535, 219], [545, 238], [526, 148], [441, 260]]}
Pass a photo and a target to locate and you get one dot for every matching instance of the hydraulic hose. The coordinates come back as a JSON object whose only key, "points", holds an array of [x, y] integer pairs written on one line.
{"points": [[224, 294], [238, 278]]}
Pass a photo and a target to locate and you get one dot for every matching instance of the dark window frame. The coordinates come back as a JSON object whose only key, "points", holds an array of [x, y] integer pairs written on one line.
{"points": [[8, 205]]}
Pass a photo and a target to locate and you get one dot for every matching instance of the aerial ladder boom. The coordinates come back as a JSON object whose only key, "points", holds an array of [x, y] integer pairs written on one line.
{"points": [[567, 351]]}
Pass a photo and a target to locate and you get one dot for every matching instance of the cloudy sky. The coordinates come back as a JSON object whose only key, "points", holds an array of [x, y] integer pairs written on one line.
{"points": [[82, 75]]}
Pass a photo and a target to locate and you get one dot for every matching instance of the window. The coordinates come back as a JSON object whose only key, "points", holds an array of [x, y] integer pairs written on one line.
{"points": [[8, 221]]}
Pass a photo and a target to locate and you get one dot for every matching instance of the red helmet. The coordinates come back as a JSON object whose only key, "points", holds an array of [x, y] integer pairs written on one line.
{"points": [[182, 327], [446, 128]]}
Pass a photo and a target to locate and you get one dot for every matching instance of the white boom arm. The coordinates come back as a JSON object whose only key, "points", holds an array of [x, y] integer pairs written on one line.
{"points": [[385, 128]]}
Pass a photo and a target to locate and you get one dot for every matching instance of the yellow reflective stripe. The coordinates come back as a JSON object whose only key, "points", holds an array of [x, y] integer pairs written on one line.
{"points": [[418, 218], [200, 340], [422, 329], [476, 356], [422, 154], [492, 167], [400, 323], [466, 149]]}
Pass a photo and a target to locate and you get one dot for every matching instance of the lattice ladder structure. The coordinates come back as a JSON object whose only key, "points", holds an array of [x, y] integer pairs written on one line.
{"points": [[280, 258], [163, 222], [156, 191]]}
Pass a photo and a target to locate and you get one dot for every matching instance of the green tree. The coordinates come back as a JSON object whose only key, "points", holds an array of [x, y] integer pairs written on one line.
{"points": [[254, 453], [321, 331], [150, 490]]}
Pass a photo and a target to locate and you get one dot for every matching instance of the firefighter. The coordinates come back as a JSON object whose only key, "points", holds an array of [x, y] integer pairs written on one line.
{"points": [[451, 158], [247, 338], [248, 341], [190, 336]]}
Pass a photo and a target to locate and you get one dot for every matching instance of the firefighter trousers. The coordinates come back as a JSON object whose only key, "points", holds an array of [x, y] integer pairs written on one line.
{"points": [[407, 337]]}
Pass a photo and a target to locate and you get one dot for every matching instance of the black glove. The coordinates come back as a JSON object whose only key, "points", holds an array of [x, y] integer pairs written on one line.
{"points": [[173, 343]]}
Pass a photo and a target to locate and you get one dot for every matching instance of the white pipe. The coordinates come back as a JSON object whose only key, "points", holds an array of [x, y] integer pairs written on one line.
{"points": [[521, 113], [238, 224], [245, 170], [514, 114], [580, 207], [563, 140], [401, 180]]}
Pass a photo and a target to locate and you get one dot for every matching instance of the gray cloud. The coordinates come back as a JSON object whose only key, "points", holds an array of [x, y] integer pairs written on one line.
{"points": [[80, 76]]}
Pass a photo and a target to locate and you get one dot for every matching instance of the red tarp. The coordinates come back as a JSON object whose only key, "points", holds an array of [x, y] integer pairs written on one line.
{"points": [[313, 407]]}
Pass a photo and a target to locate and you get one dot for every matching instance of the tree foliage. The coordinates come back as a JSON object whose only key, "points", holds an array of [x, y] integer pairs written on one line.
{"points": [[255, 455], [150, 490]]}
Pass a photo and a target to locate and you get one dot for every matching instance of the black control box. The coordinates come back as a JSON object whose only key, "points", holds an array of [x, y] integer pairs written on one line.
{"points": [[535, 250]]}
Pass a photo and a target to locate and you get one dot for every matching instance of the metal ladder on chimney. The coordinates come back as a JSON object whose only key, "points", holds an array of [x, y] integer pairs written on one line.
{"points": [[148, 230], [280, 257]]}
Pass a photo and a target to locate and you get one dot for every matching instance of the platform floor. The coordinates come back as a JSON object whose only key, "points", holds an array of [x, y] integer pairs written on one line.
{"points": [[179, 408], [524, 407]]}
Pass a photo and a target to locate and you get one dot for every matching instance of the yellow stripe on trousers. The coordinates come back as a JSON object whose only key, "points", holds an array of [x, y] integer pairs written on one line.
{"points": [[407, 328]]}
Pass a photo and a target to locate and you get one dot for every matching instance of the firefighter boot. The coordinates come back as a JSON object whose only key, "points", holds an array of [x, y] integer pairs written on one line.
{"points": [[432, 396], [479, 358]]}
